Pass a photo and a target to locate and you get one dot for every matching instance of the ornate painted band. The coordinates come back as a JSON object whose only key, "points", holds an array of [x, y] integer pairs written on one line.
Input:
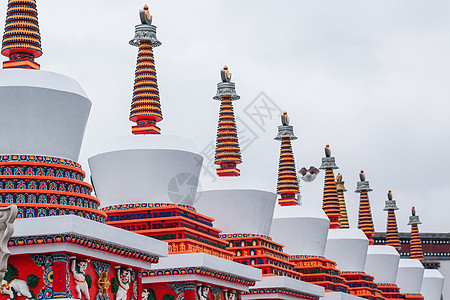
{"points": [[85, 242]]}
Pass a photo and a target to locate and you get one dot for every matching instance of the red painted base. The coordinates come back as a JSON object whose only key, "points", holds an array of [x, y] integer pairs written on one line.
{"points": [[21, 64], [288, 201], [146, 129], [228, 172]]}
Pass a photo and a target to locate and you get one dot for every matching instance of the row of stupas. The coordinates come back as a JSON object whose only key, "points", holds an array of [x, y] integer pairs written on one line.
{"points": [[142, 236]]}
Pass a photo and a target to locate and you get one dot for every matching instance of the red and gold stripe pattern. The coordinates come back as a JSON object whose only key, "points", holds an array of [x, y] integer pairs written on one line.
{"points": [[365, 222], [145, 106], [343, 220], [416, 245], [228, 153], [287, 175], [21, 39], [392, 238], [330, 199]]}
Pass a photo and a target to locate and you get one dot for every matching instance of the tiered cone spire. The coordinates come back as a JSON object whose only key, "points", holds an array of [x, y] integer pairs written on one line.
{"points": [[343, 208], [416, 245], [392, 238], [287, 187], [22, 39], [365, 222], [330, 194], [145, 106], [228, 153]]}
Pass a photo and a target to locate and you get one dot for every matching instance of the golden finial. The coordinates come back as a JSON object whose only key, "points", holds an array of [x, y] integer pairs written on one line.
{"points": [[362, 176], [327, 151], [225, 74], [390, 195], [339, 177], [147, 12], [413, 211], [285, 119]]}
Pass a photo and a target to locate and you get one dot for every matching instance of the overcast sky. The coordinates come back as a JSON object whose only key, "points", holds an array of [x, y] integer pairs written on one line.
{"points": [[369, 78]]}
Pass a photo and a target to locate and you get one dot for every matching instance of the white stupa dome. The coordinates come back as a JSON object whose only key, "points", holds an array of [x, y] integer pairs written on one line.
{"points": [[432, 285], [238, 204], [302, 230], [382, 263], [146, 169], [410, 276], [42, 113], [348, 248]]}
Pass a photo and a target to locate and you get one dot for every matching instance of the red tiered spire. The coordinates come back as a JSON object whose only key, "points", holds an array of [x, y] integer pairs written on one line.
{"points": [[365, 222], [21, 40], [416, 245], [330, 194], [145, 106], [228, 153], [392, 238], [343, 208], [287, 175]]}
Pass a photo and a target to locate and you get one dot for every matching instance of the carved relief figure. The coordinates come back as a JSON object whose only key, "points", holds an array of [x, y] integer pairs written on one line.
{"points": [[203, 292], [230, 295], [148, 294], [123, 276], [14, 287], [17, 286], [82, 282]]}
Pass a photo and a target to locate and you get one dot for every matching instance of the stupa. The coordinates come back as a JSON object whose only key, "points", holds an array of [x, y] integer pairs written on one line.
{"points": [[382, 260], [61, 247], [411, 271]]}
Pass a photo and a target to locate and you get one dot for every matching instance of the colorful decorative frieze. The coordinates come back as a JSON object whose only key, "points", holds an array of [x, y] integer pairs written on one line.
{"points": [[362, 285], [390, 290], [85, 242], [320, 271], [44, 186], [199, 271], [281, 291], [264, 254], [185, 230], [413, 296]]}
